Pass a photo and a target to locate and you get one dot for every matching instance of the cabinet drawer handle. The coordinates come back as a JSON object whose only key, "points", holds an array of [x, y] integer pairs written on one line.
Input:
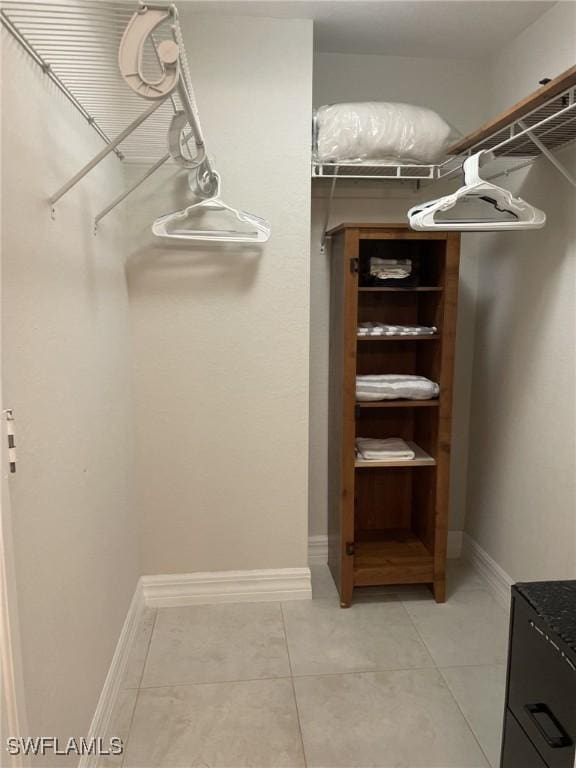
{"points": [[548, 726]]}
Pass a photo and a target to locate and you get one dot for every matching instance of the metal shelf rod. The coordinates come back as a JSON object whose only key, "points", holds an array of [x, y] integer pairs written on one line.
{"points": [[106, 151], [105, 211], [546, 152]]}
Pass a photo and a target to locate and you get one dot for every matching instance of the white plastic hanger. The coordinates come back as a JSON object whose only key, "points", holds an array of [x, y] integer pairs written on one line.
{"points": [[524, 216], [259, 234]]}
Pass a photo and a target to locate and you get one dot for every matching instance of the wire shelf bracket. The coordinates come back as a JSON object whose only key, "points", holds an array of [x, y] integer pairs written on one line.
{"points": [[104, 153], [366, 172]]}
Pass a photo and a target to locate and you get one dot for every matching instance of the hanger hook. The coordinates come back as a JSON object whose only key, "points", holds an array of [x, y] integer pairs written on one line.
{"points": [[471, 168]]}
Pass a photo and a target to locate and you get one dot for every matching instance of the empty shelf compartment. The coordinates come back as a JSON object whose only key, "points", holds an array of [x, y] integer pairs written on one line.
{"points": [[391, 557]]}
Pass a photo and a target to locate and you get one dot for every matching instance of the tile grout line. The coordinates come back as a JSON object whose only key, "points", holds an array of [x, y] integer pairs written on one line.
{"points": [[148, 646], [138, 689], [364, 671], [468, 723], [125, 745], [424, 643], [293, 686], [213, 682], [452, 696]]}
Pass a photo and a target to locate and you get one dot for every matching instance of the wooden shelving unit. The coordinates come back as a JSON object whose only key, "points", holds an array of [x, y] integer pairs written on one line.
{"points": [[388, 520]]}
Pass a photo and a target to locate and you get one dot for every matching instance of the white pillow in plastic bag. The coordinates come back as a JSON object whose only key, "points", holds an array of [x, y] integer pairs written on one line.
{"points": [[381, 131]]}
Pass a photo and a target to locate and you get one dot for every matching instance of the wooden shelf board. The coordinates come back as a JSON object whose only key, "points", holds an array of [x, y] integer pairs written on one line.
{"points": [[388, 289], [516, 112], [391, 557], [403, 337], [398, 403], [422, 459]]}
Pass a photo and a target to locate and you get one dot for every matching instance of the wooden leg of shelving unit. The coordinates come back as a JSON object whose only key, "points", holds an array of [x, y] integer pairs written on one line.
{"points": [[346, 597], [439, 590]]}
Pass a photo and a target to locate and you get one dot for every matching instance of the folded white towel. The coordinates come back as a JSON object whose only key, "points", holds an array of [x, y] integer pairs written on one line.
{"points": [[377, 261], [385, 329], [388, 274], [393, 386], [388, 449], [387, 269]]}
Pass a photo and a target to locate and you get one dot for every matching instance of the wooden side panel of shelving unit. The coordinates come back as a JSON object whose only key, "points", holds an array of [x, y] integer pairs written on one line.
{"points": [[446, 381], [342, 395]]}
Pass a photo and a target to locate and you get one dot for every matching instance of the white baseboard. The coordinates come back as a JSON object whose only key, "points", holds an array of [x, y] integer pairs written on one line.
{"points": [[496, 577], [227, 587], [318, 550], [109, 695], [454, 549], [318, 547]]}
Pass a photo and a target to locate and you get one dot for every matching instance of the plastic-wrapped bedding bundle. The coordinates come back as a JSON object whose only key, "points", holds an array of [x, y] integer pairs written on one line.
{"points": [[381, 131]]}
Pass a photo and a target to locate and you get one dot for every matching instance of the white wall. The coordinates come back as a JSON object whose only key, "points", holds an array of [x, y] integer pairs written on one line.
{"points": [[544, 49], [457, 90], [522, 482], [221, 333], [66, 374]]}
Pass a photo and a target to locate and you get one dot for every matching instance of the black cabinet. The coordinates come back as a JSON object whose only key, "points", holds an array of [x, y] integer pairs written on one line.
{"points": [[540, 720], [517, 750]]}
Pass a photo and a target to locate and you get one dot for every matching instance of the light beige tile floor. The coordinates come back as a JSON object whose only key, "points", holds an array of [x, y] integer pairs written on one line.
{"points": [[400, 718], [217, 643], [480, 692], [395, 680], [364, 637], [251, 723]]}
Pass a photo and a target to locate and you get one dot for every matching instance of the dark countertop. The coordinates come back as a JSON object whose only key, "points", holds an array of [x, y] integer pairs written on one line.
{"points": [[555, 602]]}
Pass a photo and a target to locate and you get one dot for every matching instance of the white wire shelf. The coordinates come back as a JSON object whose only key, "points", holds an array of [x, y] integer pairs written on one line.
{"points": [[540, 125], [75, 42], [367, 172], [547, 128]]}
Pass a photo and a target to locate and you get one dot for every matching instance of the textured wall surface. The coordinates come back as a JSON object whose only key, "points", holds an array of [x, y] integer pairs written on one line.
{"points": [[66, 373], [221, 333], [522, 485]]}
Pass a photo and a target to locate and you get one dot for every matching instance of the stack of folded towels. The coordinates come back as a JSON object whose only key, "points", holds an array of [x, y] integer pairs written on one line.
{"points": [[386, 269], [389, 449], [391, 386], [384, 329]]}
